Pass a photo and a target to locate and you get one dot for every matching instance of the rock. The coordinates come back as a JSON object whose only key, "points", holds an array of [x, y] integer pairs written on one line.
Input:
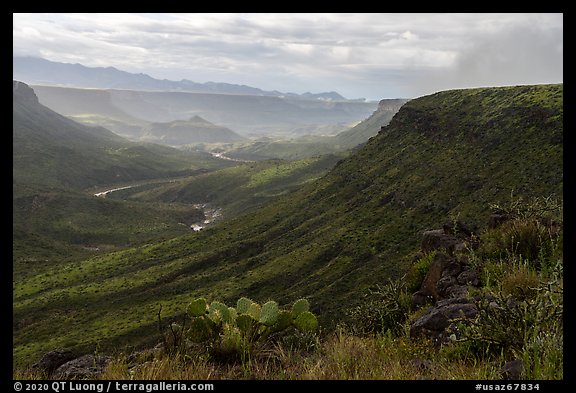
{"points": [[458, 229], [84, 367], [512, 370], [421, 364], [444, 284], [436, 239], [495, 220], [420, 299], [457, 291], [434, 322], [469, 277], [429, 285], [452, 269], [54, 359], [145, 355]]}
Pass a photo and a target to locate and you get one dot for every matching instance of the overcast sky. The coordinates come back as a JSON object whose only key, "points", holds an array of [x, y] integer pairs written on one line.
{"points": [[373, 56]]}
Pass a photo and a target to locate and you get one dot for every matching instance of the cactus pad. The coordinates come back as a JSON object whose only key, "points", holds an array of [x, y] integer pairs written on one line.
{"points": [[243, 304], [218, 312], [306, 322], [197, 307], [300, 306], [269, 313]]}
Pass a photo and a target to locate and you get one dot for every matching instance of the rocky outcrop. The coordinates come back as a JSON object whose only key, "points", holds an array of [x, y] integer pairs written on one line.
{"points": [[53, 359], [446, 283], [447, 277], [84, 367], [434, 323], [22, 93]]}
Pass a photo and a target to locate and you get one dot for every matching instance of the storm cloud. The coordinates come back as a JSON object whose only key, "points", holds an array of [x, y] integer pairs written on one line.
{"points": [[359, 55]]}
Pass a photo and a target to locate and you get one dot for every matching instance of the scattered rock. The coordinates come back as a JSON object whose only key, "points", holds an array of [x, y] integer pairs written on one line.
{"points": [[434, 322], [145, 355], [420, 299], [459, 229], [445, 284], [54, 359], [436, 239], [495, 220], [469, 277], [452, 269], [429, 287], [84, 367], [421, 364], [512, 370]]}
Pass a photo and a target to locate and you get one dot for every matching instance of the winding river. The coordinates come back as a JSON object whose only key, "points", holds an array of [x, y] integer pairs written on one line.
{"points": [[211, 214]]}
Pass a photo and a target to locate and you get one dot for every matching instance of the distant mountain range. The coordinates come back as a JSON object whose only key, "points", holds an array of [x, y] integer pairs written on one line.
{"points": [[33, 70], [127, 111]]}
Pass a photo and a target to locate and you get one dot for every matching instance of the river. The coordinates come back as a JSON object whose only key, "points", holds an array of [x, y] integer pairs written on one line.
{"points": [[211, 214]]}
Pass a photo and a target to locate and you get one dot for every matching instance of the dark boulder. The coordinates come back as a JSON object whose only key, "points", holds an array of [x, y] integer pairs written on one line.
{"points": [[54, 359], [495, 220], [436, 239], [512, 370], [429, 286], [459, 229], [434, 322], [84, 367], [469, 277]]}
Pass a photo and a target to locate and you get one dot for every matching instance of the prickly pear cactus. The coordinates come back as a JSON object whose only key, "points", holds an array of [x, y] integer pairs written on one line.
{"points": [[246, 324], [306, 322], [283, 322], [243, 304], [218, 312], [254, 311], [300, 306], [227, 329], [269, 313], [197, 307], [201, 329], [233, 313]]}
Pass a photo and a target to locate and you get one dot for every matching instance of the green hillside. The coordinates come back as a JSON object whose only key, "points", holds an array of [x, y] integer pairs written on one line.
{"points": [[241, 188], [51, 150], [191, 131], [443, 156]]}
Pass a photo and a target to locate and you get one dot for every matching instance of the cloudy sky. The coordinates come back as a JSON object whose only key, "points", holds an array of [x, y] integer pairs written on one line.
{"points": [[373, 56]]}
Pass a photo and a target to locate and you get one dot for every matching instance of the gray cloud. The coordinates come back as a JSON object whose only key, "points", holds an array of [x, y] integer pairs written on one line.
{"points": [[359, 55]]}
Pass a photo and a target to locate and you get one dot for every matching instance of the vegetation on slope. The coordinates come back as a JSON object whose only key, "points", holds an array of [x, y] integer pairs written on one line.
{"points": [[51, 150], [241, 188], [191, 131], [444, 155], [520, 304]]}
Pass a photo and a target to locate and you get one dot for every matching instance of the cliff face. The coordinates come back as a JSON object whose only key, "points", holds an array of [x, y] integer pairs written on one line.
{"points": [[368, 128], [391, 105], [22, 93]]}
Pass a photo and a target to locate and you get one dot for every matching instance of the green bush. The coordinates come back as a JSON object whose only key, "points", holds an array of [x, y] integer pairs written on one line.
{"points": [[533, 232], [507, 325], [382, 309], [418, 271]]}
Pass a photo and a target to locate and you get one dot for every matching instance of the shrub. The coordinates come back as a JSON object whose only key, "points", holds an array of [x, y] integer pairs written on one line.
{"points": [[533, 231], [418, 271], [382, 309], [504, 324]]}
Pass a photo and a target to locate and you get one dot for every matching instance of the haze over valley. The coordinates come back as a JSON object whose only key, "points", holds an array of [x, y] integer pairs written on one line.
{"points": [[288, 196]]}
